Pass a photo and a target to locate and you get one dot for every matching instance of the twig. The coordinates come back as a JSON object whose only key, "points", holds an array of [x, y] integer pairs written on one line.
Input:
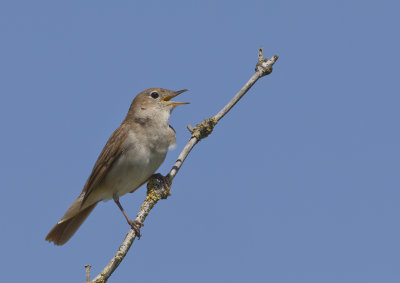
{"points": [[155, 192], [87, 267]]}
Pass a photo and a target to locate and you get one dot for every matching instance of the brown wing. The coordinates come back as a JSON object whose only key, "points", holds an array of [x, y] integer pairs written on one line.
{"points": [[110, 153]]}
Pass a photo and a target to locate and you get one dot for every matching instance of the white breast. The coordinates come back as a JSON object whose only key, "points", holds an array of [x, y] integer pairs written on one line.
{"points": [[139, 160]]}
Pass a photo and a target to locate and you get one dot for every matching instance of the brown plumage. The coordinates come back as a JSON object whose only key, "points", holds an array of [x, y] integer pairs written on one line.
{"points": [[131, 155], [63, 231]]}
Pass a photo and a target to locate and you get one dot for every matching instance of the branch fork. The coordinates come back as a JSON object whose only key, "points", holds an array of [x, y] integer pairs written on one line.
{"points": [[264, 66]]}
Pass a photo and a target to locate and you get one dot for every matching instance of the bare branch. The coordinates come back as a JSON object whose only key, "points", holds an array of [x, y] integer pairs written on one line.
{"points": [[155, 192], [87, 267], [263, 68]]}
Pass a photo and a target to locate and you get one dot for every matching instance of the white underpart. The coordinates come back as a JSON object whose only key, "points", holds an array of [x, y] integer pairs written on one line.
{"points": [[172, 146], [139, 160]]}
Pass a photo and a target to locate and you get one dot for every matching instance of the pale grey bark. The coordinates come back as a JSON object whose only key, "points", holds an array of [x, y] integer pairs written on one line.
{"points": [[155, 192], [87, 267]]}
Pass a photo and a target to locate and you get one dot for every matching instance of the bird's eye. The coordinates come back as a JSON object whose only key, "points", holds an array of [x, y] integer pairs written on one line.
{"points": [[154, 94]]}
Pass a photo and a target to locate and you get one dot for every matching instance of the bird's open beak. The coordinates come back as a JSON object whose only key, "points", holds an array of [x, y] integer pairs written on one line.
{"points": [[176, 93]]}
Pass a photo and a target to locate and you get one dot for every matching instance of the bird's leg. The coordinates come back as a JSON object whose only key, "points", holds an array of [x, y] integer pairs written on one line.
{"points": [[135, 224], [164, 182]]}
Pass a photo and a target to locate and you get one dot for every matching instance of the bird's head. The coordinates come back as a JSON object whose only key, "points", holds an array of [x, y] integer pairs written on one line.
{"points": [[154, 103]]}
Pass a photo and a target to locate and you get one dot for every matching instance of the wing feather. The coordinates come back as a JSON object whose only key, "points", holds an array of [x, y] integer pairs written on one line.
{"points": [[111, 151]]}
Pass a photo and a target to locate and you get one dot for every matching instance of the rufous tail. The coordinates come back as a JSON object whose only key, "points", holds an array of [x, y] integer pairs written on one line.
{"points": [[65, 229]]}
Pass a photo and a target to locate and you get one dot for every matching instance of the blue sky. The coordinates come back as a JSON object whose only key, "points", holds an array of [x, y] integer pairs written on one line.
{"points": [[299, 183]]}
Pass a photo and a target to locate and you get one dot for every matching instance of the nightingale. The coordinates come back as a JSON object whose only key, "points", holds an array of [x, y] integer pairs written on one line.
{"points": [[130, 157]]}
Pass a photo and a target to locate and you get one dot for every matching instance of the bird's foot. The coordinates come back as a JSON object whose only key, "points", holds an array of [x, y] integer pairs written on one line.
{"points": [[164, 182], [158, 187], [136, 225]]}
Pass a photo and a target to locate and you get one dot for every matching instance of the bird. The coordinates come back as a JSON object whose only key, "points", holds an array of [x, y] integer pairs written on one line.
{"points": [[129, 159]]}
